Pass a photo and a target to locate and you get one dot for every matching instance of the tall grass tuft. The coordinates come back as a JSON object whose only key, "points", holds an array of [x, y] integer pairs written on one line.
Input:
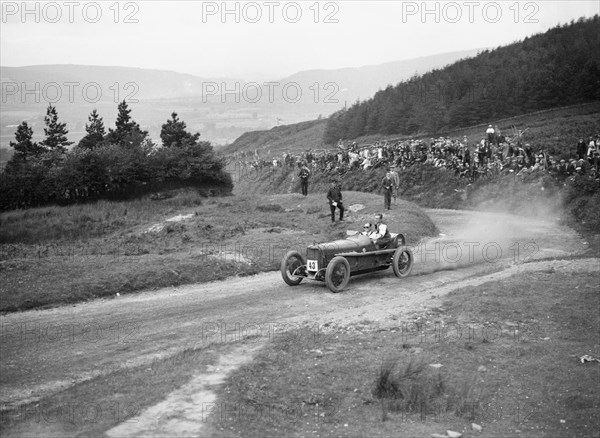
{"points": [[414, 387]]}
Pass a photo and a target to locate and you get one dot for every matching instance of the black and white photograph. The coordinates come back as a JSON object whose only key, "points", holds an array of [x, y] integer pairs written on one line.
{"points": [[249, 219]]}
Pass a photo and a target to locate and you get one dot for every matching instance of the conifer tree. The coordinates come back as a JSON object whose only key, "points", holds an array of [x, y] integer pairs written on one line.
{"points": [[95, 132], [56, 132], [127, 131], [173, 133], [96, 125], [24, 146]]}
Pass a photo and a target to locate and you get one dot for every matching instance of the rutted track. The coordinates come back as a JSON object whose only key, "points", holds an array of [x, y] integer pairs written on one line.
{"points": [[46, 351]]}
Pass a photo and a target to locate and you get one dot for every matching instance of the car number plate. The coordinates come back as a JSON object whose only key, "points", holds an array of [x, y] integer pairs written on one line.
{"points": [[312, 265]]}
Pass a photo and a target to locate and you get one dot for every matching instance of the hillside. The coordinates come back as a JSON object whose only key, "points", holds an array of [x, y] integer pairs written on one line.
{"points": [[276, 141], [362, 82], [556, 68], [554, 131]]}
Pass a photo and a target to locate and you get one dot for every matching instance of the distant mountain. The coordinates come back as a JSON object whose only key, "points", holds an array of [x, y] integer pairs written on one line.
{"points": [[115, 83], [363, 82]]}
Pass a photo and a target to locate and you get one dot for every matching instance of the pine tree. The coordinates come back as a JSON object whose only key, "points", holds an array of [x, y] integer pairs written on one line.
{"points": [[95, 132], [127, 131], [124, 122], [96, 125], [24, 146], [56, 132], [173, 133]]}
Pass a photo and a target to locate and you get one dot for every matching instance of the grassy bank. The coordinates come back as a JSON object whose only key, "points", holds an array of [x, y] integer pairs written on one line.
{"points": [[507, 360], [280, 139], [575, 201], [59, 255]]}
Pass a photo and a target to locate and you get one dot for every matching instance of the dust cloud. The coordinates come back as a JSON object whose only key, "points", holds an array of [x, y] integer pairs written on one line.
{"points": [[488, 234]]}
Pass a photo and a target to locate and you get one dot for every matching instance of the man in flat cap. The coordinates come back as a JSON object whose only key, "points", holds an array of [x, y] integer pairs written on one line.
{"points": [[334, 195]]}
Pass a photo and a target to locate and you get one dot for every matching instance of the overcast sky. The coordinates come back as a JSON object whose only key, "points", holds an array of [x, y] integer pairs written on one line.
{"points": [[252, 40]]}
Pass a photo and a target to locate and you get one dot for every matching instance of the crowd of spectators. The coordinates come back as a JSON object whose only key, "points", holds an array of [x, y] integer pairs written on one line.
{"points": [[492, 154]]}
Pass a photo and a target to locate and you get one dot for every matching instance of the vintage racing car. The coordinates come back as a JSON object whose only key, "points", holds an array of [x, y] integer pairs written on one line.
{"points": [[335, 262]]}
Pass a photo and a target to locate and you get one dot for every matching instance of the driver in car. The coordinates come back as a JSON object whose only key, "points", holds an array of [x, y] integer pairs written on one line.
{"points": [[381, 236], [368, 230]]}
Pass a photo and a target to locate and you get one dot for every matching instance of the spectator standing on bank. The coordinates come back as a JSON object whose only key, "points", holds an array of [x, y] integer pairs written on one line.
{"points": [[334, 195], [490, 134], [480, 151], [396, 178], [467, 156], [304, 174], [388, 187], [581, 149], [592, 148], [497, 136]]}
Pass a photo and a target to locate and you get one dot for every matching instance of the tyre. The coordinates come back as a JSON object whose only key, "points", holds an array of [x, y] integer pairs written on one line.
{"points": [[337, 274], [402, 262], [292, 261]]}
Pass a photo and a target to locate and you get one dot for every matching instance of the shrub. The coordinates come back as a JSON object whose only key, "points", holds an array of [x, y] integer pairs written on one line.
{"points": [[416, 388], [111, 172]]}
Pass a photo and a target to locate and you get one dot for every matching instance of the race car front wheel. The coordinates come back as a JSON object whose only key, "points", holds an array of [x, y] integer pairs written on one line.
{"points": [[337, 274], [402, 262], [290, 265]]}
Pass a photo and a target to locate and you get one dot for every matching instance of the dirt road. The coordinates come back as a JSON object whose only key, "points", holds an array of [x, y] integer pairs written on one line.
{"points": [[45, 351]]}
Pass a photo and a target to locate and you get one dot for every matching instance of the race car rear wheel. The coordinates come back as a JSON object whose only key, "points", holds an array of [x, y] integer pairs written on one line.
{"points": [[290, 263], [337, 274], [402, 262]]}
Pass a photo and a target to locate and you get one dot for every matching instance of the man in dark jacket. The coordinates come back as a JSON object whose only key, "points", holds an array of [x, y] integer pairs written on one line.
{"points": [[581, 149], [334, 195], [303, 174], [388, 186]]}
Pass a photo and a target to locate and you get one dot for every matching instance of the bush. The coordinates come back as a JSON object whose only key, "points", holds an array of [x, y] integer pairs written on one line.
{"points": [[111, 172], [411, 387], [415, 388]]}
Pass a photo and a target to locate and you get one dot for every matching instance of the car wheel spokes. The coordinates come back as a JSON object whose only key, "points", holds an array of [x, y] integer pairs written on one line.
{"points": [[339, 275], [293, 266], [403, 262]]}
